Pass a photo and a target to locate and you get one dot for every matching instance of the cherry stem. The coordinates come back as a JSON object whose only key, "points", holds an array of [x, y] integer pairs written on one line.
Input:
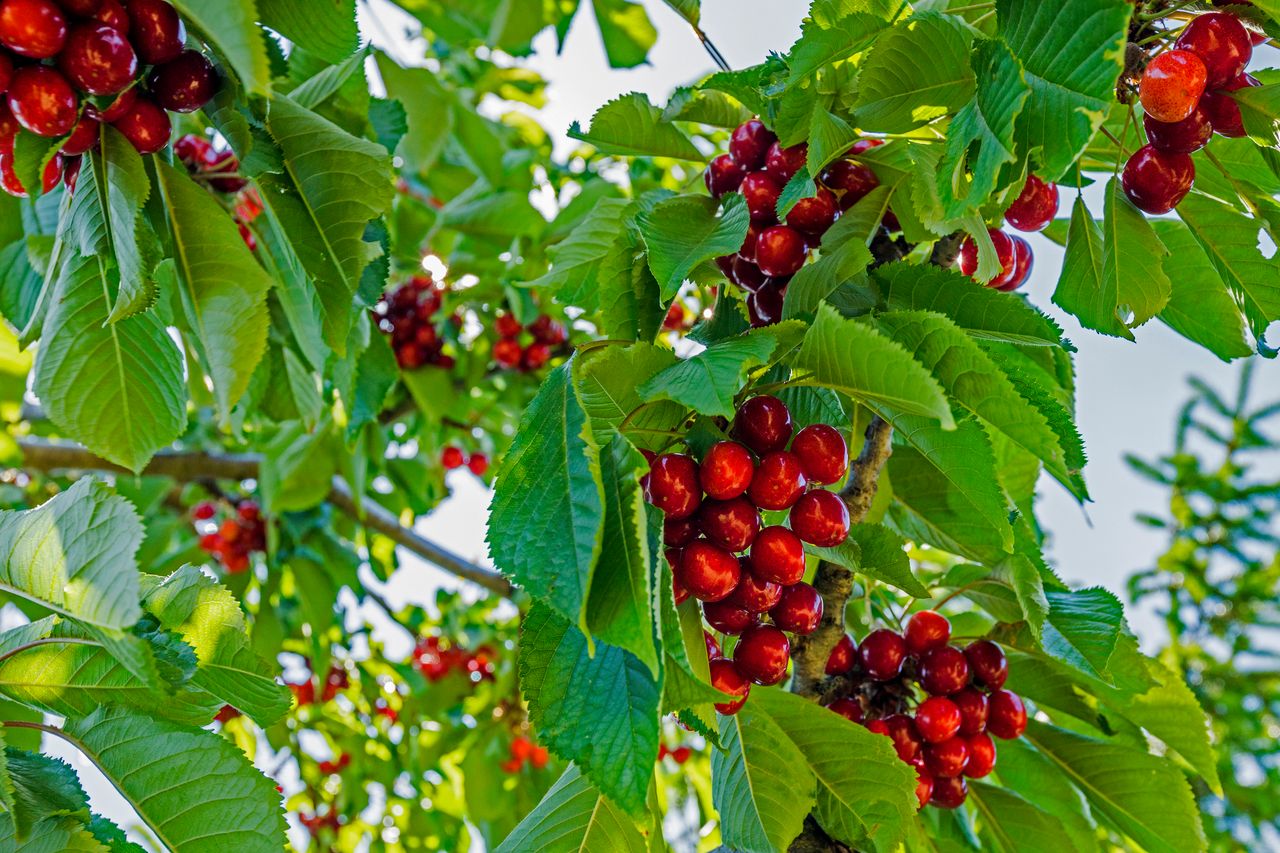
{"points": [[716, 56]]}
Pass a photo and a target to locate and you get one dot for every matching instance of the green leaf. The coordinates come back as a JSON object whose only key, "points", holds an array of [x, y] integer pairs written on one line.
{"points": [[297, 467], [230, 27], [820, 46], [883, 558], [547, 515], [428, 108], [705, 107], [576, 260], [1200, 307], [1072, 53], [42, 787], [633, 127], [629, 299], [1034, 777], [1260, 109], [574, 817], [167, 773], [599, 711], [626, 31], [856, 360], [327, 30], [917, 72], [1015, 824], [844, 254], [685, 231], [1083, 629], [608, 381]]}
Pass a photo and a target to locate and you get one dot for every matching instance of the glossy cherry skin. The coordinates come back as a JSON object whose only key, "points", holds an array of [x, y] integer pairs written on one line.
{"points": [[882, 654], [709, 572], [9, 127], [949, 792], [852, 181], [848, 708], [823, 453], [36, 29], [762, 654], [1172, 84], [982, 755], [1156, 182], [905, 734], [926, 630], [723, 175], [924, 787], [156, 30], [761, 190], [937, 719], [184, 84], [121, 105], [814, 215], [713, 648], [748, 248], [98, 59], [1035, 207], [1023, 263], [987, 663], [9, 181], [1006, 253], [944, 671], [1006, 715], [842, 657], [1181, 137], [777, 554], [673, 485], [42, 101], [947, 758], [973, 705], [764, 304], [113, 14], [799, 610], [146, 125], [1221, 42], [747, 275], [750, 143], [83, 138], [778, 482], [676, 532], [731, 524], [780, 251], [727, 617], [821, 518], [763, 423], [1223, 111], [678, 590], [726, 678], [784, 163], [755, 594]]}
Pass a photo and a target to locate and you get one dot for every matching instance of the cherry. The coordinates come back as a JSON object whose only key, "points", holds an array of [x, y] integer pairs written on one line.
{"points": [[732, 524], [842, 657], [713, 648], [784, 163], [98, 59], [673, 485], [708, 571], [507, 326], [726, 470], [780, 251], [84, 136], [678, 590], [1223, 111], [451, 457], [1006, 715], [821, 518], [948, 757], [726, 678], [949, 792], [1221, 42], [507, 352], [754, 594], [678, 532], [42, 101], [204, 511], [535, 356], [547, 331], [848, 708], [156, 30], [988, 664], [9, 126], [727, 617], [937, 718], [1023, 262], [973, 710], [905, 734], [882, 653], [777, 554], [32, 28], [747, 250], [750, 143], [927, 630], [880, 727], [761, 190], [1035, 206], [762, 654], [924, 787], [823, 453], [864, 145], [1172, 84], [763, 424], [747, 275], [852, 180], [723, 175], [799, 610], [1006, 253], [778, 482], [9, 181], [6, 72], [814, 215], [1155, 181], [146, 125], [478, 464], [112, 13], [764, 305], [81, 8], [1181, 137], [226, 168], [184, 84], [119, 106], [982, 755], [944, 671]]}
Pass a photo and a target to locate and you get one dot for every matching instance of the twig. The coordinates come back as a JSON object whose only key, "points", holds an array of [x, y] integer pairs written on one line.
{"points": [[716, 56]]}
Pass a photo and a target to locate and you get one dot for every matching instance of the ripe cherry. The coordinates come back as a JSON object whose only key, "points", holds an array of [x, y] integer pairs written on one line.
{"points": [[673, 485], [851, 180], [713, 648], [1006, 253], [1221, 42], [146, 125], [726, 678], [847, 707], [451, 457], [1223, 111], [507, 352], [927, 630], [762, 654], [1181, 137], [727, 617], [70, 172], [799, 610], [726, 470], [80, 8], [478, 464], [763, 423], [33, 28], [780, 251], [842, 657], [949, 792], [42, 101], [225, 177], [764, 305], [1023, 262], [755, 594], [535, 355], [548, 331], [121, 105], [156, 30], [747, 250], [678, 532], [988, 664], [947, 757], [9, 181], [778, 482], [113, 14], [1155, 181], [973, 710], [982, 755], [821, 518], [944, 671], [84, 136], [6, 72], [937, 718], [723, 175], [708, 571], [777, 554], [761, 190], [184, 84], [784, 163], [814, 215], [1006, 715], [905, 734], [507, 326], [747, 275], [882, 653], [924, 787], [1172, 84], [1035, 206], [98, 59], [9, 126], [750, 143], [731, 524], [823, 453]]}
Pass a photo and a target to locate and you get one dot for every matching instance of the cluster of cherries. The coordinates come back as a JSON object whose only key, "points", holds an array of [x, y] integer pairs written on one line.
{"points": [[758, 167], [947, 736], [330, 766], [679, 755], [219, 169], [233, 539], [1033, 210], [527, 347], [435, 660], [721, 552], [408, 315], [1185, 99], [318, 823], [68, 66], [525, 751], [335, 680], [453, 457]]}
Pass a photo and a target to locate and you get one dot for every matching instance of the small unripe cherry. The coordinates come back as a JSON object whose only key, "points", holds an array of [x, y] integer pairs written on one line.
{"points": [[814, 215], [726, 678], [708, 571], [731, 524], [777, 554], [727, 617], [926, 630], [780, 251], [778, 482], [947, 758], [754, 594], [937, 718], [973, 710], [1035, 207], [762, 654], [761, 190], [882, 654], [726, 470], [823, 453], [1222, 44], [763, 423], [723, 175], [1172, 84], [820, 518], [949, 792], [944, 671], [1006, 715], [982, 755], [842, 657], [673, 485], [784, 163], [847, 707], [987, 663], [750, 143], [1156, 182]]}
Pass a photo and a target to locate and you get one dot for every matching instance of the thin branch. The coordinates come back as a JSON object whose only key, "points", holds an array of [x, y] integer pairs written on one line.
{"points": [[716, 56]]}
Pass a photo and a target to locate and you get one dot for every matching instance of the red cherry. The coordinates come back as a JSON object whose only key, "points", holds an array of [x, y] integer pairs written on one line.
{"points": [[224, 176], [949, 792], [924, 787], [1223, 111], [146, 125], [723, 175], [882, 653], [33, 28], [879, 727], [708, 571], [821, 518], [1006, 253], [763, 423], [507, 325], [755, 594], [679, 532], [156, 30], [9, 126], [982, 755], [42, 101], [1221, 42], [726, 678], [478, 464], [1006, 715], [1155, 181], [780, 251], [248, 511], [761, 190], [764, 305], [973, 710], [944, 671], [842, 657], [864, 145], [119, 106], [84, 136], [814, 215], [678, 590], [747, 275], [1181, 137], [784, 163], [823, 453], [52, 174], [777, 554], [1035, 206], [98, 59], [6, 72], [204, 511], [799, 610], [778, 482], [673, 485], [547, 331], [947, 758], [184, 84], [1172, 84], [112, 13], [987, 663], [848, 708], [507, 352], [713, 648], [80, 8], [535, 356], [750, 143], [927, 630], [9, 181], [904, 733], [731, 524], [726, 470], [937, 718], [1023, 262], [762, 654], [727, 617], [851, 180]]}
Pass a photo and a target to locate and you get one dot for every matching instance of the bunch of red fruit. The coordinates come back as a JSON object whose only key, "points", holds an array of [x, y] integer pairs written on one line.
{"points": [[335, 765], [317, 823], [679, 755], [721, 552], [452, 457], [944, 733], [545, 336], [525, 751], [219, 169], [335, 680], [408, 315], [70, 65], [233, 539], [1033, 210], [1184, 94], [435, 660]]}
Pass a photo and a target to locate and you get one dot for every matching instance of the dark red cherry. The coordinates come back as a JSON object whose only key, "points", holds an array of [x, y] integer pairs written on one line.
{"points": [[777, 554], [1035, 206], [1172, 84], [33, 28], [727, 617], [156, 30], [225, 177], [764, 304], [731, 524], [80, 8], [762, 654], [937, 718], [799, 610], [9, 181], [987, 663], [780, 251], [778, 482], [146, 125], [842, 657], [864, 145], [673, 485], [723, 175], [747, 250], [6, 71], [42, 101], [98, 59], [755, 594], [71, 172], [112, 13], [184, 84], [676, 532], [1023, 263], [1221, 42], [823, 453], [926, 631], [763, 423], [821, 518], [726, 678], [761, 190], [944, 671], [904, 733], [882, 653], [83, 138], [814, 215], [1006, 715], [9, 127], [1181, 137], [948, 757], [848, 708], [747, 275], [949, 792], [726, 470], [750, 143], [1223, 111], [708, 571], [121, 105], [1155, 181], [973, 710], [982, 755], [852, 181], [784, 163], [1005, 253]]}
